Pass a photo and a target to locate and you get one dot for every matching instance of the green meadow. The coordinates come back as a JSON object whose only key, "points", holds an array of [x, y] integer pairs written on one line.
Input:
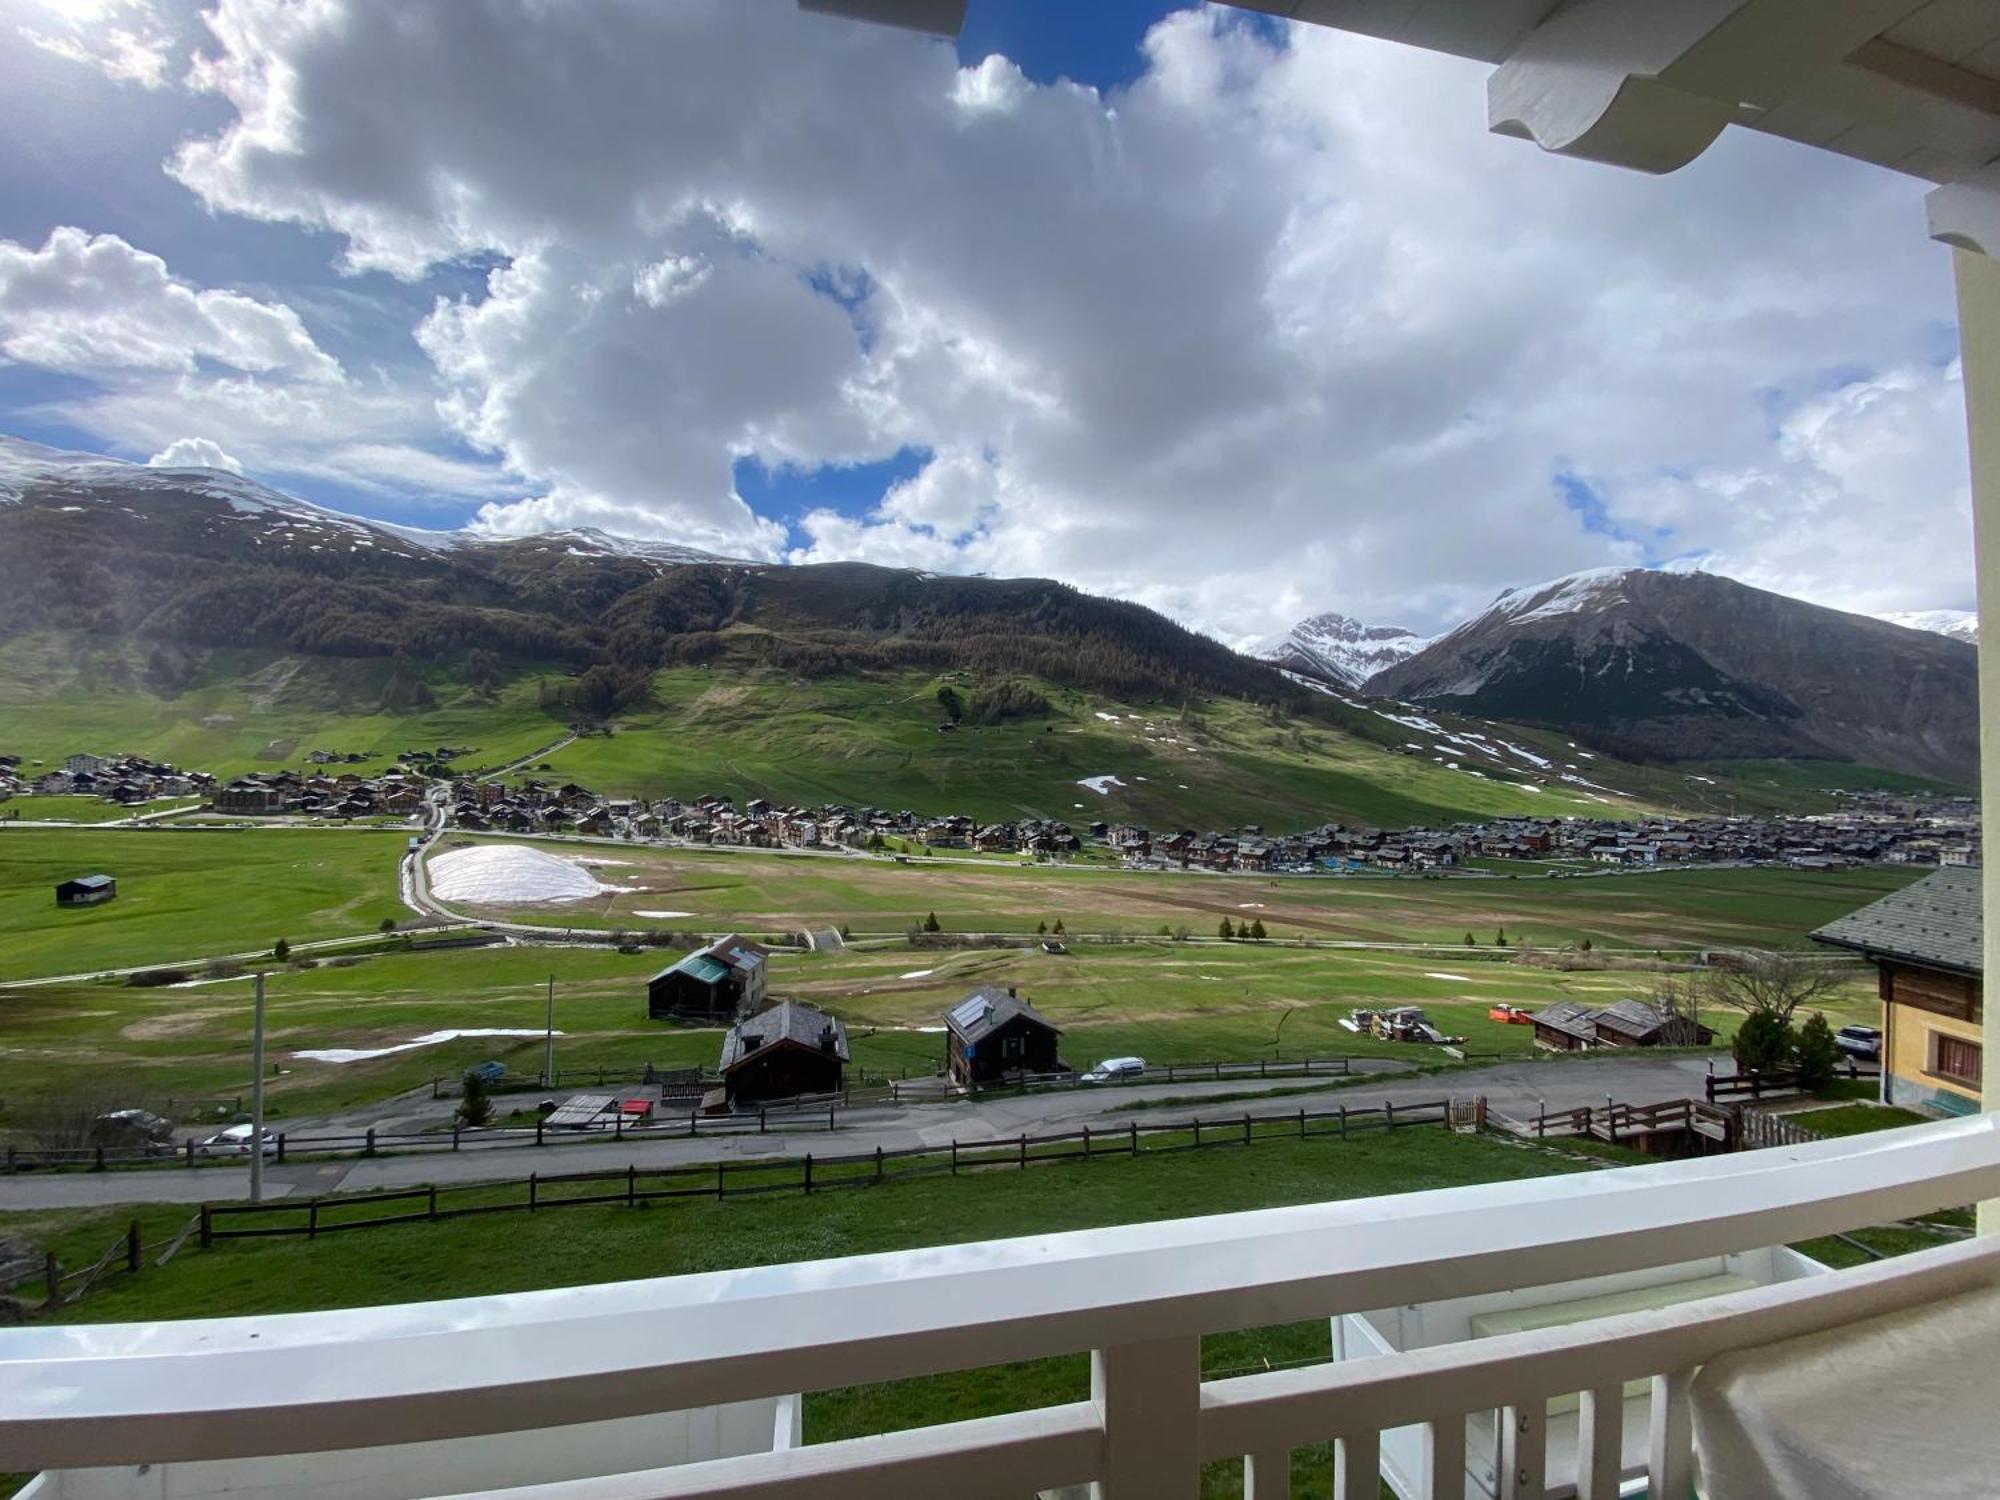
{"points": [[186, 893], [765, 892]]}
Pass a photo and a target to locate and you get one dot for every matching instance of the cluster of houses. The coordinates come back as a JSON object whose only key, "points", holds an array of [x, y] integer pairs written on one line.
{"points": [[1922, 834], [322, 794], [1867, 829], [129, 780]]}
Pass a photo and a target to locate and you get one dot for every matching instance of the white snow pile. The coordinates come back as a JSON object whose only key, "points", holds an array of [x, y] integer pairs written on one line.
{"points": [[508, 874], [1101, 785], [918, 974], [428, 1039], [661, 913], [1448, 978], [1108, 718]]}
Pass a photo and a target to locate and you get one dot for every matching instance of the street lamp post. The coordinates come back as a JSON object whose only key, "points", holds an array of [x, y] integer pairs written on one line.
{"points": [[257, 1096], [549, 1039]]}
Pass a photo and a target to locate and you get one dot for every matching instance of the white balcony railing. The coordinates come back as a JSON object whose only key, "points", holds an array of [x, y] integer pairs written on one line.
{"points": [[1140, 1297]]}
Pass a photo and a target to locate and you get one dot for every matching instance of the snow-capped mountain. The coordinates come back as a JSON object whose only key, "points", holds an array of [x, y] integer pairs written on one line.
{"points": [[1694, 665], [1339, 650], [61, 479], [1958, 624]]}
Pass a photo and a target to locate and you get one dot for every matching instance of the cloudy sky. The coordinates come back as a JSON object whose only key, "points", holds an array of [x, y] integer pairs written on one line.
{"points": [[1237, 319]]}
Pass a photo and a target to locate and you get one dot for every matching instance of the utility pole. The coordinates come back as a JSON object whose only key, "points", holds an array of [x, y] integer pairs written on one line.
{"points": [[257, 1097], [549, 1040]]}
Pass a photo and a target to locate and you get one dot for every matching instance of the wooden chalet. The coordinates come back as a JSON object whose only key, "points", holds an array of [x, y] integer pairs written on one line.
{"points": [[782, 1052], [1925, 942], [86, 890], [993, 1032], [1572, 1026], [726, 979]]}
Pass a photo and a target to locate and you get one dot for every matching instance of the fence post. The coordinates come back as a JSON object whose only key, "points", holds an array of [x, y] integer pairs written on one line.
{"points": [[720, 1190], [1302, 1122], [132, 1247], [454, 1136], [618, 1126], [1197, 1130], [281, 1147], [52, 1269], [312, 1219], [763, 1120], [1343, 1122], [207, 1227], [370, 1149], [1134, 1126], [532, 1185], [829, 1117], [1389, 1113], [954, 1156], [98, 1166], [1309, 1065], [190, 1151], [1024, 1148], [809, 1172], [538, 1130], [878, 1163], [1246, 1127], [631, 1184], [434, 1201], [10, 1160]]}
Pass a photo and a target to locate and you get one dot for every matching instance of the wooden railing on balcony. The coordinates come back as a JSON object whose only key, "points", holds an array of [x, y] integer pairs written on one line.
{"points": [[1140, 1297]]}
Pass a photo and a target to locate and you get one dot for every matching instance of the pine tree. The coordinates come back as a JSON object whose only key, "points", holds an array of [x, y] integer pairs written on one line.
{"points": [[281, 950], [475, 1104], [1257, 930], [1041, 929], [1469, 941], [1500, 938], [1059, 927], [1225, 931], [931, 923]]}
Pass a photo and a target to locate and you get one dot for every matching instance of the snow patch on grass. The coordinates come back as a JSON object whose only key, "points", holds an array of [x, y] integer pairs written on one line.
{"points": [[508, 874]]}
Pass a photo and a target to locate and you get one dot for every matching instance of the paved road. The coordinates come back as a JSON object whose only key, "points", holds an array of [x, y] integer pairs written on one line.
{"points": [[1512, 1090]]}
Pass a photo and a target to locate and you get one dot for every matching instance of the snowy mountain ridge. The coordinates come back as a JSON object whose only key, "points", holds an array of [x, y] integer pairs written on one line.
{"points": [[1338, 649], [59, 474]]}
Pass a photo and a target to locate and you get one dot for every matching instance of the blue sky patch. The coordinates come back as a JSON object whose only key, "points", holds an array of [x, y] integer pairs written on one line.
{"points": [[786, 494]]}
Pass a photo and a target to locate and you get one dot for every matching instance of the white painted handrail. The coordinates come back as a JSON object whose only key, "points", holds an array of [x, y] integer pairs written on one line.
{"points": [[241, 1387]]}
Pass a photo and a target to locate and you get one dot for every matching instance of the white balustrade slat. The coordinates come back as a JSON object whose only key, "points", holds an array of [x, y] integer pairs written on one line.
{"points": [[1007, 1456], [1268, 1476], [1148, 1399], [1600, 1442], [1444, 1458], [1290, 1408], [77, 1395], [1524, 1434], [1357, 1467], [1670, 1443]]}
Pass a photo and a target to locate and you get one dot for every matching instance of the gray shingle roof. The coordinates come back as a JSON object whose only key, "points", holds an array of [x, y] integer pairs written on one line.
{"points": [[1935, 922], [987, 1009], [1572, 1016], [787, 1021]]}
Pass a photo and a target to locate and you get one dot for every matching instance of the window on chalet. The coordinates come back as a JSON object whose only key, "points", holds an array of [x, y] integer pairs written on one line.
{"points": [[1956, 1059]]}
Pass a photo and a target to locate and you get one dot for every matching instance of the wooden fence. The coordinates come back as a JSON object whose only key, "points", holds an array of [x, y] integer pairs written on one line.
{"points": [[125, 1255], [1734, 1127], [1776, 1082], [808, 1174]]}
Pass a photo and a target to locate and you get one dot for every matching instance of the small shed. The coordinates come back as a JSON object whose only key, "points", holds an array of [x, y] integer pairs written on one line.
{"points": [[994, 1032], [584, 1112], [783, 1052], [86, 890]]}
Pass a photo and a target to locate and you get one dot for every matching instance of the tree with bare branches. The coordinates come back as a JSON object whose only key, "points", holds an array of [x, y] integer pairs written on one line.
{"points": [[1773, 983]]}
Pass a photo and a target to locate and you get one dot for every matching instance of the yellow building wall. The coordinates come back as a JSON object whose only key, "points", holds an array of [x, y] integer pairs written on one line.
{"points": [[1907, 1078]]}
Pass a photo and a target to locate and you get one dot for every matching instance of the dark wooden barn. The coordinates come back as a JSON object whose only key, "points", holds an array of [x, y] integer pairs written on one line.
{"points": [[726, 979], [783, 1052], [86, 890], [992, 1033]]}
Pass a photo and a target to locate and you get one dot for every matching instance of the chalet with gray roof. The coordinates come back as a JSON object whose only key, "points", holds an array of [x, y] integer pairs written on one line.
{"points": [[784, 1051], [1926, 942], [993, 1033], [727, 979]]}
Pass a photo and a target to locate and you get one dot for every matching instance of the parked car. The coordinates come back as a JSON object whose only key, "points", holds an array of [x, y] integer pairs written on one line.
{"points": [[490, 1072], [235, 1141], [1864, 1042], [1116, 1070]]}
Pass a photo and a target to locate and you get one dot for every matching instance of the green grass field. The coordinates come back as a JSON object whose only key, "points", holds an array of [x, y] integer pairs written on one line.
{"points": [[1670, 909], [1162, 1001], [186, 894], [87, 809]]}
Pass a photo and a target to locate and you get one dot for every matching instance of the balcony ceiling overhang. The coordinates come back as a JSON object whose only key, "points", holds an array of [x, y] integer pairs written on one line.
{"points": [[1912, 85]]}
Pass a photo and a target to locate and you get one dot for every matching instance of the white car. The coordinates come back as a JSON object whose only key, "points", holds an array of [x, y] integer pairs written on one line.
{"points": [[1116, 1070], [235, 1141]]}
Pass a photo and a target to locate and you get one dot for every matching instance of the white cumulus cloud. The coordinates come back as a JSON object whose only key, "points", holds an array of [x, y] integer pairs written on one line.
{"points": [[194, 453]]}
